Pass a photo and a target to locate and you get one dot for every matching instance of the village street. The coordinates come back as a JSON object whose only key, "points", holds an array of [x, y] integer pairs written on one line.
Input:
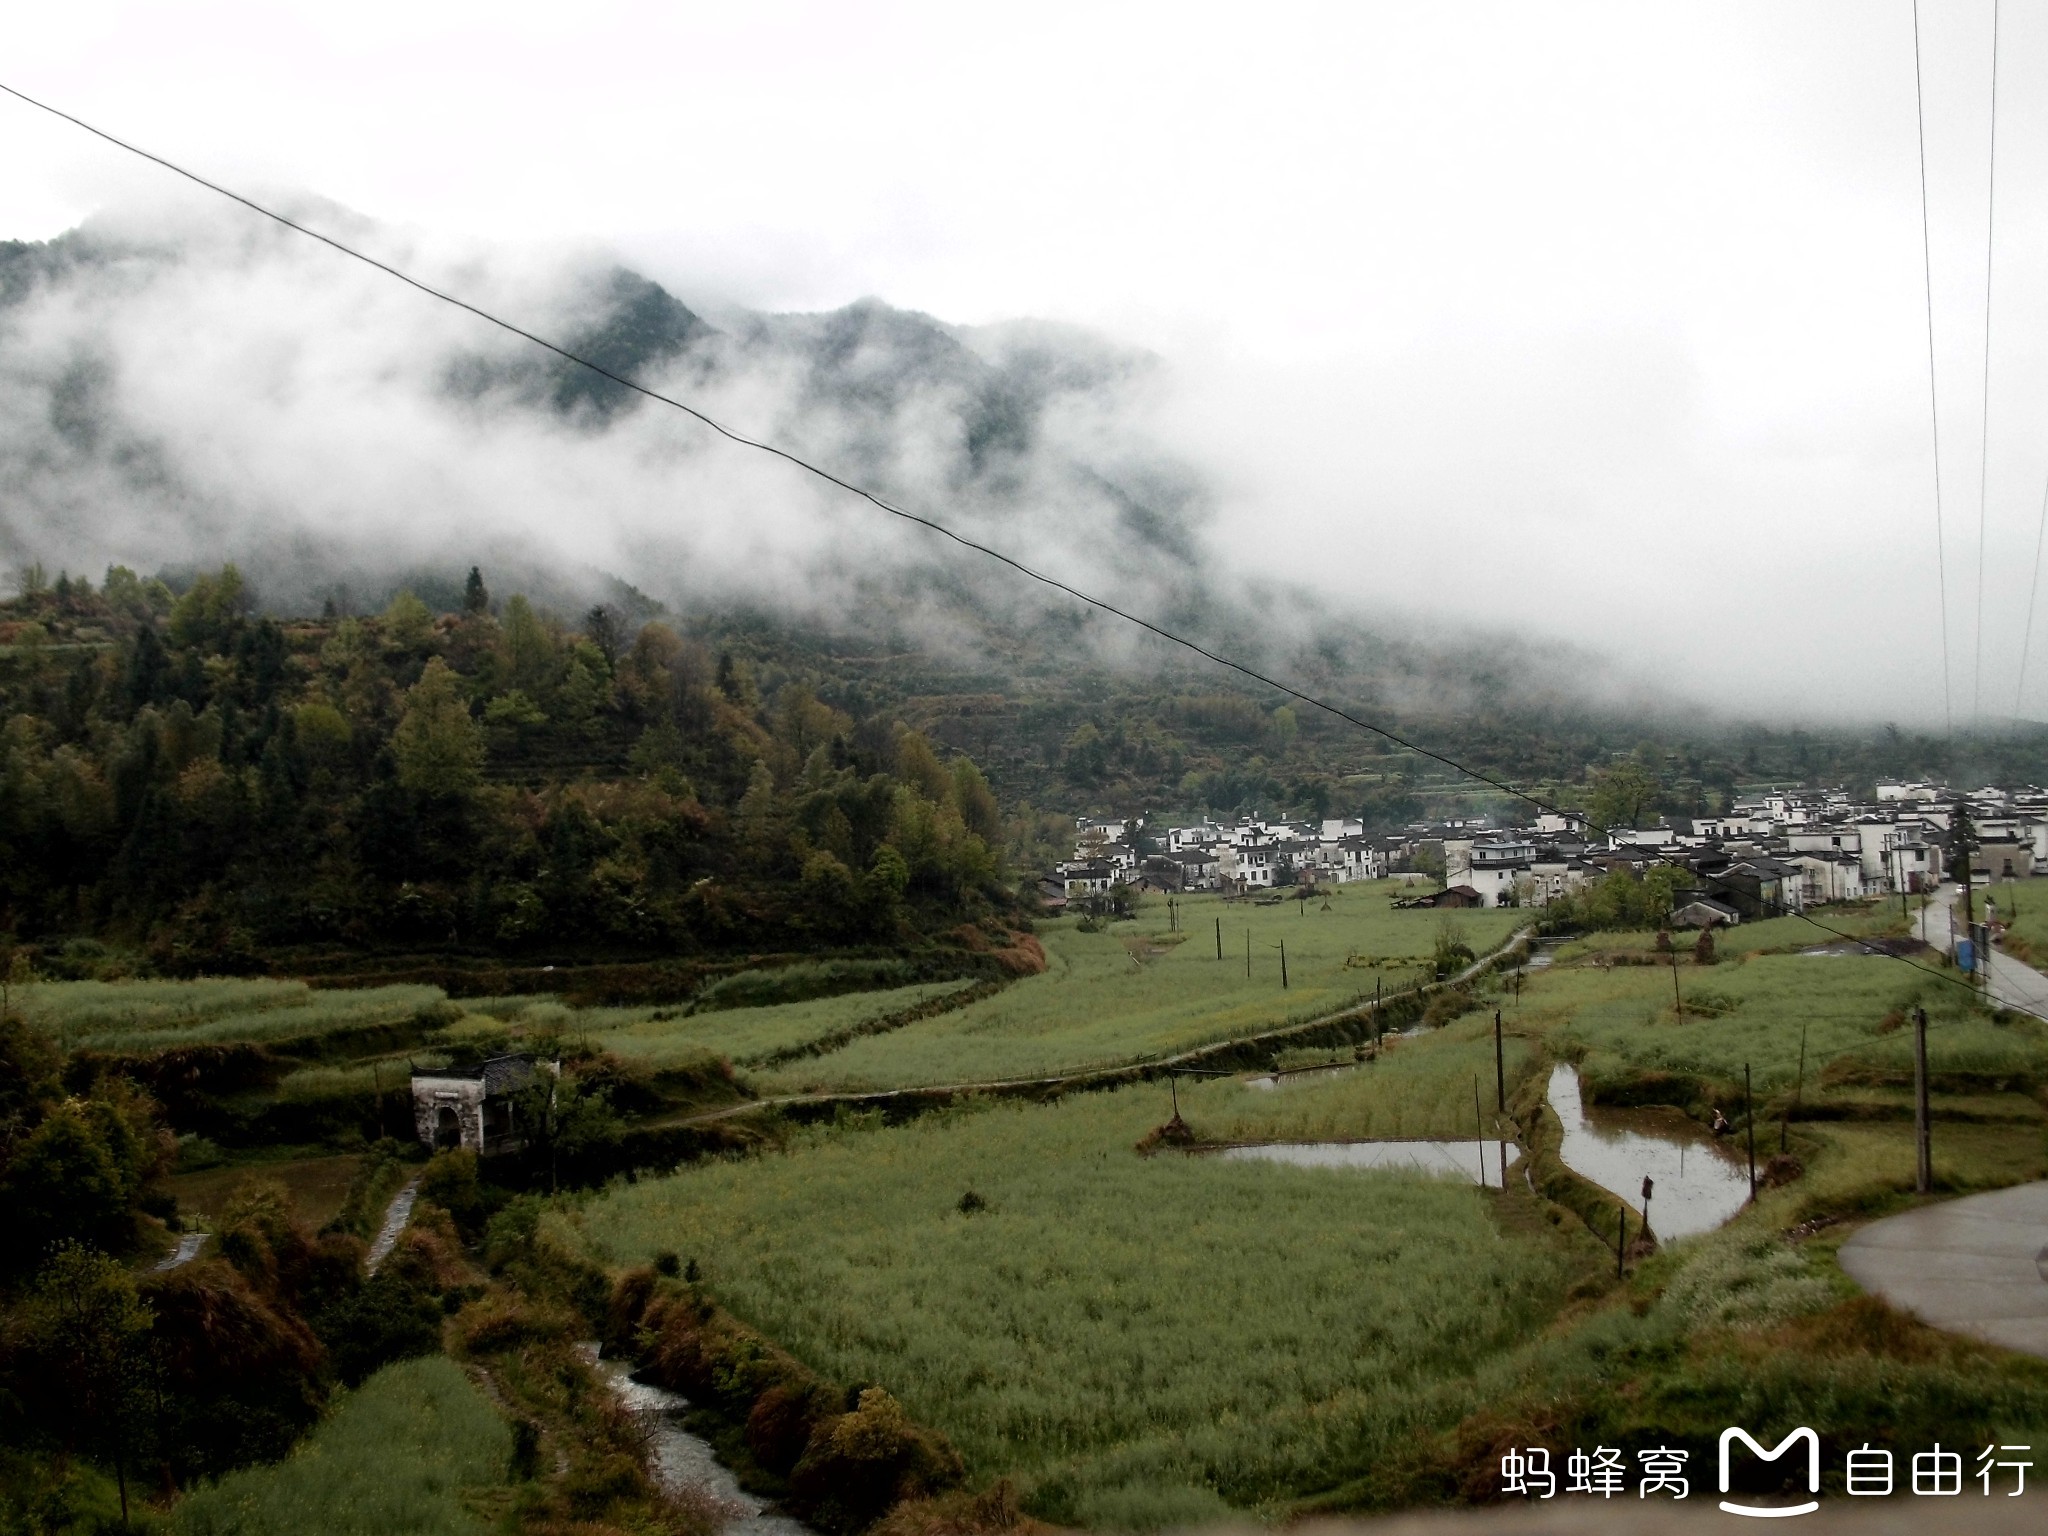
{"points": [[2009, 982]]}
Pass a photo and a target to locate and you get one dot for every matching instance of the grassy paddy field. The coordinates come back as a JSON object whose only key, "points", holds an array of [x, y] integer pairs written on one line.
{"points": [[417, 1450], [1138, 991], [1138, 1341], [1141, 1342]]}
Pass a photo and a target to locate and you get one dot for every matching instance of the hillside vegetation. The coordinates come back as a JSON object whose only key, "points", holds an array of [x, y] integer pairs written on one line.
{"points": [[182, 773]]}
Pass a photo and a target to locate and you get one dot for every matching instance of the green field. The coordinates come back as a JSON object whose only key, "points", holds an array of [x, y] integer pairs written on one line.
{"points": [[395, 1458], [660, 1038], [155, 1015], [1623, 1020], [1137, 991], [1137, 1341], [1419, 1087]]}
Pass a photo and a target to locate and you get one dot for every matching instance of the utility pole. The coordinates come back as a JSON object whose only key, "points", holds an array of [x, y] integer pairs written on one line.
{"points": [[1798, 1093], [1479, 1133], [1500, 1071], [1283, 965], [1749, 1114], [1962, 830], [1219, 938], [1247, 954], [1923, 1147]]}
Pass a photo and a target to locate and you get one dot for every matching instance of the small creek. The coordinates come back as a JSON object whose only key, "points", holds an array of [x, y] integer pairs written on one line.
{"points": [[681, 1460], [1697, 1183], [1476, 1162]]}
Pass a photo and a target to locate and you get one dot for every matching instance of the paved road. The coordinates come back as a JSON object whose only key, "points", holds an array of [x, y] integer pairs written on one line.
{"points": [[1977, 1266], [2010, 984]]}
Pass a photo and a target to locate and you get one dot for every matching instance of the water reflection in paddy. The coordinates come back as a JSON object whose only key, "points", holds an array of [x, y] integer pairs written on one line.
{"points": [[1476, 1162], [1698, 1182]]}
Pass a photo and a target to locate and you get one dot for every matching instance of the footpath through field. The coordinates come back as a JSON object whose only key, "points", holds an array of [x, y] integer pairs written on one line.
{"points": [[1132, 1071]]}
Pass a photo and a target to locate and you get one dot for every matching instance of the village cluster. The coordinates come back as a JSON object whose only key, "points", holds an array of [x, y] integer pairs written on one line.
{"points": [[1779, 851]]}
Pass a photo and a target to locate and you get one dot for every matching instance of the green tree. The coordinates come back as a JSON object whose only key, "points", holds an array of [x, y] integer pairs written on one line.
{"points": [[210, 609], [476, 597], [88, 1331], [1623, 797], [977, 802], [408, 622], [532, 648], [438, 747]]}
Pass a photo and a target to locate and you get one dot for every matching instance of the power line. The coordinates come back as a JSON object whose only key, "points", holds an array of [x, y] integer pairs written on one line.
{"points": [[946, 532], [782, 453], [2033, 593], [1984, 442], [1933, 404]]}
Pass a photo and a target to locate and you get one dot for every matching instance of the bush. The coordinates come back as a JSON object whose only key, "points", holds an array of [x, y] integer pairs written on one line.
{"points": [[780, 1425], [858, 1465], [394, 1316]]}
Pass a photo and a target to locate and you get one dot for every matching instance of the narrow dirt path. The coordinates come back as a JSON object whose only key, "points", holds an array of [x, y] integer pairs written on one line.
{"points": [[396, 1216], [1134, 1071], [187, 1250]]}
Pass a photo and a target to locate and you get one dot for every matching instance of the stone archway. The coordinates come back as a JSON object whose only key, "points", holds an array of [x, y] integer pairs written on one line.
{"points": [[447, 1129]]}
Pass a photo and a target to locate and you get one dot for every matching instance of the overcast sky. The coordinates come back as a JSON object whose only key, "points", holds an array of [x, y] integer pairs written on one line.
{"points": [[1601, 322]]}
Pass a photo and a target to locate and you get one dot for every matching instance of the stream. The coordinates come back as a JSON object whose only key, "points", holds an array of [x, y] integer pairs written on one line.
{"points": [[681, 1460], [1697, 1182]]}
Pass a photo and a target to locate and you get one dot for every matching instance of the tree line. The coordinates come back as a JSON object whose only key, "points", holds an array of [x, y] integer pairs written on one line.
{"points": [[180, 770]]}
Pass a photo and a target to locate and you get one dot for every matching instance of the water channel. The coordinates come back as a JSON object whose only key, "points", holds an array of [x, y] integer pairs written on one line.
{"points": [[681, 1460], [1697, 1181]]}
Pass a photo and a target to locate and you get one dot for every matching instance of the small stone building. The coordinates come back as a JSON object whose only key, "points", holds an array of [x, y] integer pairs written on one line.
{"points": [[472, 1106]]}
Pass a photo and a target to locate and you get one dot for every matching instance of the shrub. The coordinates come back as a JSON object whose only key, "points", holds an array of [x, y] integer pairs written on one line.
{"points": [[859, 1464], [780, 1424]]}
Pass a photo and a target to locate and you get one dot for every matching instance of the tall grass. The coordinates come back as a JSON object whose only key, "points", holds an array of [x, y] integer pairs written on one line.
{"points": [[394, 1459], [1137, 991], [1137, 1341], [745, 1035], [153, 1015], [1623, 1021], [1421, 1086]]}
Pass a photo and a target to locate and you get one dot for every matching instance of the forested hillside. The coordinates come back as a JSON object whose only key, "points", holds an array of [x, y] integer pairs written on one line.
{"points": [[182, 772]]}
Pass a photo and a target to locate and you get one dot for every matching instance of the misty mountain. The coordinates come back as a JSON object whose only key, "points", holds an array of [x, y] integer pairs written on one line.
{"points": [[179, 390]]}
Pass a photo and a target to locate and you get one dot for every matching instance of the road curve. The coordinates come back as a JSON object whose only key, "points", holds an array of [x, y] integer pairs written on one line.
{"points": [[1975, 1266]]}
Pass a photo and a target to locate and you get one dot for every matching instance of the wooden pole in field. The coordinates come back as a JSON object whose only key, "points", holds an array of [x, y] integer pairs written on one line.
{"points": [[1219, 938], [1479, 1130], [1749, 1114], [1500, 1071], [1923, 1146], [1798, 1093], [1283, 965], [1247, 954]]}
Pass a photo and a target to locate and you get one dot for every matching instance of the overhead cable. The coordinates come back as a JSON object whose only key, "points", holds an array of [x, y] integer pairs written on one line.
{"points": [[1984, 441], [1933, 403], [925, 522]]}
